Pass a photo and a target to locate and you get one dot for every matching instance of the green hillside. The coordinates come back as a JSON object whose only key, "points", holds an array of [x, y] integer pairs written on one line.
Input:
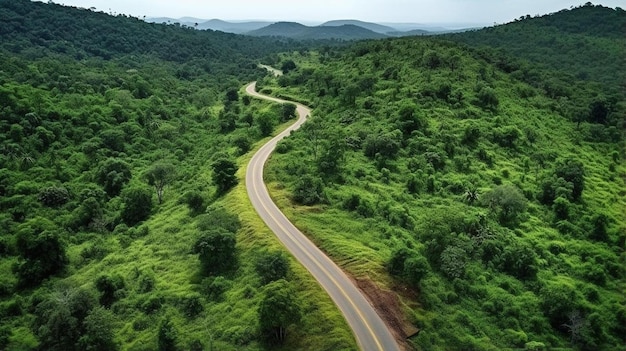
{"points": [[583, 43], [123, 223], [494, 208]]}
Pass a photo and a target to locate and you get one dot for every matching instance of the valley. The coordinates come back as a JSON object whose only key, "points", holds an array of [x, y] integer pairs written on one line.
{"points": [[469, 187]]}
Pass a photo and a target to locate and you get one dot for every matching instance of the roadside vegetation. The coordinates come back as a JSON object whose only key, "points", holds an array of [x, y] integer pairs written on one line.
{"points": [[124, 223], [492, 204]]}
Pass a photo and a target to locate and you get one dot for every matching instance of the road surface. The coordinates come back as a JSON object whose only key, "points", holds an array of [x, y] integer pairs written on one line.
{"points": [[369, 329]]}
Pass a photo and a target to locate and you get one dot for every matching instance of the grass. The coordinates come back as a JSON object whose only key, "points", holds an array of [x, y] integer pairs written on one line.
{"points": [[488, 308]]}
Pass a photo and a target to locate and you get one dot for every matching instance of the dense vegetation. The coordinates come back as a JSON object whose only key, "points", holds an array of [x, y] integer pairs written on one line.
{"points": [[581, 44], [493, 206], [119, 180]]}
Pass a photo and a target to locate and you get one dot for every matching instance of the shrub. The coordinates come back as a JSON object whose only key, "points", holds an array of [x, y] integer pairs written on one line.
{"points": [[191, 305], [309, 190], [215, 287], [110, 288], [195, 202]]}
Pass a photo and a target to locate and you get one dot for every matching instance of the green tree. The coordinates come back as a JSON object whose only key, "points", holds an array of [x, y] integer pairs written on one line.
{"points": [[410, 119], [41, 252], [288, 66], [506, 202], [232, 95], [598, 112], [195, 201], [572, 171], [99, 334], [110, 288], [224, 174], [59, 319], [487, 99], [309, 190], [160, 175], [137, 205], [272, 266], [278, 310], [54, 196], [113, 174], [168, 336], [287, 112], [415, 268], [265, 122], [216, 250]]}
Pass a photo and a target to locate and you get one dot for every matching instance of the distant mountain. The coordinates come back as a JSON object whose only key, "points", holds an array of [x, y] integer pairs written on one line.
{"points": [[233, 27], [300, 31], [374, 27], [409, 33]]}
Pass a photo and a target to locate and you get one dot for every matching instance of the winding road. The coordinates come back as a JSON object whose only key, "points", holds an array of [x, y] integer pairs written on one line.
{"points": [[371, 333]]}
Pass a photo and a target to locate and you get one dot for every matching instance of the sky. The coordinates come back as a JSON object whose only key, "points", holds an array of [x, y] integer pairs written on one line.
{"points": [[317, 11]]}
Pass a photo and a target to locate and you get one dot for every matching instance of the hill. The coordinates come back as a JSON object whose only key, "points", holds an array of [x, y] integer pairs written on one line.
{"points": [[233, 27], [301, 32], [585, 42], [123, 221], [374, 27], [492, 207]]}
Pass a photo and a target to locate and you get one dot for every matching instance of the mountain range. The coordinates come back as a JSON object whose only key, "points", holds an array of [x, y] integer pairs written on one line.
{"points": [[347, 29]]}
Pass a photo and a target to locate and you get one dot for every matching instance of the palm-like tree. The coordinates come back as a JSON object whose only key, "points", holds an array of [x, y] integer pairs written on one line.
{"points": [[471, 195]]}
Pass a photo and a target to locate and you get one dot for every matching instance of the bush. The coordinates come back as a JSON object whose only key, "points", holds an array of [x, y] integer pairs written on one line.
{"points": [[110, 288], [309, 190], [216, 218], [453, 260], [195, 202], [191, 305], [215, 287], [167, 336]]}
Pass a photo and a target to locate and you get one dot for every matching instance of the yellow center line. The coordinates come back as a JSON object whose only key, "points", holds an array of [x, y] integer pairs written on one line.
{"points": [[288, 234]]}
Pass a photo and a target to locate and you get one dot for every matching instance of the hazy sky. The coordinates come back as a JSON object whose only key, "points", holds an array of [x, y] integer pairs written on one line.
{"points": [[416, 11]]}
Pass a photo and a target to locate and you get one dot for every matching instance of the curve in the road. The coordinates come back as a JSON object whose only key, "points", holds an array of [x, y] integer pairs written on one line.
{"points": [[369, 329]]}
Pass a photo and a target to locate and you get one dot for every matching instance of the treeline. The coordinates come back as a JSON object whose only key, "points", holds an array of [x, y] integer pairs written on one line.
{"points": [[496, 201]]}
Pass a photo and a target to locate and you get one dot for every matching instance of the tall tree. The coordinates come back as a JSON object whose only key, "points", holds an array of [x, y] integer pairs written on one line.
{"points": [[160, 175], [278, 310], [272, 266], [224, 170], [216, 250]]}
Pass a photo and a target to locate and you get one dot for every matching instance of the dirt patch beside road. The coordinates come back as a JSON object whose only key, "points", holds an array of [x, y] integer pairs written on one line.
{"points": [[389, 308]]}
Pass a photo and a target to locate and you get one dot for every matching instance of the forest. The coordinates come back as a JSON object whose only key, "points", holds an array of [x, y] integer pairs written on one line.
{"points": [[483, 186], [119, 192], [493, 204]]}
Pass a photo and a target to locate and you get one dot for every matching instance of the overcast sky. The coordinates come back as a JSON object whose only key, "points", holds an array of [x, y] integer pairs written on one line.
{"points": [[414, 11]]}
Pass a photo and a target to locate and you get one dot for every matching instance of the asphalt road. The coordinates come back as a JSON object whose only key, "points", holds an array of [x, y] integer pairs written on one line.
{"points": [[369, 329]]}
